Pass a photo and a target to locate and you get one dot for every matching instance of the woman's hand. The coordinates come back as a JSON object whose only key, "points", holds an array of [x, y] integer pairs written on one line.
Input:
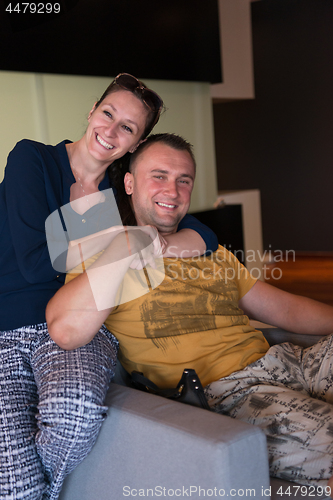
{"points": [[159, 242], [145, 244]]}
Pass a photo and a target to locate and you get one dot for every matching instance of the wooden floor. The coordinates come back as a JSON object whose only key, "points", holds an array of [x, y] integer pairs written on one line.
{"points": [[305, 274]]}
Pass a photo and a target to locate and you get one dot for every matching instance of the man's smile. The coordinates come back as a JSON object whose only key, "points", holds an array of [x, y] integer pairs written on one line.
{"points": [[166, 205]]}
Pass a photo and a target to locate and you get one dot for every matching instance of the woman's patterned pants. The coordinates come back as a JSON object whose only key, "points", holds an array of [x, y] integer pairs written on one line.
{"points": [[51, 408], [289, 394]]}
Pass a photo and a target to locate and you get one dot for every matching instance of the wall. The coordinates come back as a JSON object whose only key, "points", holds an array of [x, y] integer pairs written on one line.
{"points": [[50, 108], [281, 141], [236, 51]]}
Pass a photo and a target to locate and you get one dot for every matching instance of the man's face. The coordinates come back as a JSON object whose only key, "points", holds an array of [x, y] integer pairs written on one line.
{"points": [[161, 185]]}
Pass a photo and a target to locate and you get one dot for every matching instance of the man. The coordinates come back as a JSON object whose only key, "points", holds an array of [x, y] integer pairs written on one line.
{"points": [[197, 317]]}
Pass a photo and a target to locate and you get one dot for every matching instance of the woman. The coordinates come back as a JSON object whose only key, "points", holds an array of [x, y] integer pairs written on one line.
{"points": [[52, 400]]}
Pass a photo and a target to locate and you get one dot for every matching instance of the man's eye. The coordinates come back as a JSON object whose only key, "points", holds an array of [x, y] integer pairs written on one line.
{"points": [[182, 181]]}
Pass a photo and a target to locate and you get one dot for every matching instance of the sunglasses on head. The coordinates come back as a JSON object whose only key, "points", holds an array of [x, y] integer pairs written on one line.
{"points": [[149, 97]]}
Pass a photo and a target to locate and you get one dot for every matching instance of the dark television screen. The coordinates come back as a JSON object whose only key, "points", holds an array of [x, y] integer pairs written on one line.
{"points": [[227, 224], [168, 40]]}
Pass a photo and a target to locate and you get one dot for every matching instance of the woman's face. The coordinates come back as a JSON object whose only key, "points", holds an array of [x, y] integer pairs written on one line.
{"points": [[115, 126]]}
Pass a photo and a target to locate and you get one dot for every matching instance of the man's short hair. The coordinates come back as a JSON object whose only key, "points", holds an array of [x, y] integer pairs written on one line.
{"points": [[172, 140]]}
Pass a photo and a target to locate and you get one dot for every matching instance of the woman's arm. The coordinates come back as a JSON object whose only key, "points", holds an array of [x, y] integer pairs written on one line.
{"points": [[184, 244], [192, 239], [83, 248], [27, 208]]}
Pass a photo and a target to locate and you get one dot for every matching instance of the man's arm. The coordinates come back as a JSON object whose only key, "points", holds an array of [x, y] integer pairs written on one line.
{"points": [[72, 316], [297, 314]]}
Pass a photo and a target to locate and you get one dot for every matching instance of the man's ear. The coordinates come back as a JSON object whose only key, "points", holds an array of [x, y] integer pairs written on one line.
{"points": [[128, 183], [92, 110]]}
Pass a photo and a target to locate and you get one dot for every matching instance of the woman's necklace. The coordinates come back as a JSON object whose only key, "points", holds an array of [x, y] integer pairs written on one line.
{"points": [[77, 178], [76, 175], [91, 199]]}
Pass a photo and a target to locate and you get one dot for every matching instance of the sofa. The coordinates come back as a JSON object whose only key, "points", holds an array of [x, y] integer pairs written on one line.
{"points": [[151, 447]]}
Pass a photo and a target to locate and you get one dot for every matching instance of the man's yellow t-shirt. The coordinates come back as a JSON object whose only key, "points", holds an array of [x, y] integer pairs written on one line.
{"points": [[191, 320]]}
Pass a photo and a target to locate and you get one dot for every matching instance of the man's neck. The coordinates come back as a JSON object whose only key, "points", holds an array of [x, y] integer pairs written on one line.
{"points": [[162, 231], [167, 233]]}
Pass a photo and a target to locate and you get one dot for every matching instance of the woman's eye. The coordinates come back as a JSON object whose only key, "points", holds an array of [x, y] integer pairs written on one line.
{"points": [[127, 128], [108, 114]]}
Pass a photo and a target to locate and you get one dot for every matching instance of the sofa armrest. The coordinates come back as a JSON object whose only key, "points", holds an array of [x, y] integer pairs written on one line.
{"points": [[150, 442], [276, 335]]}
